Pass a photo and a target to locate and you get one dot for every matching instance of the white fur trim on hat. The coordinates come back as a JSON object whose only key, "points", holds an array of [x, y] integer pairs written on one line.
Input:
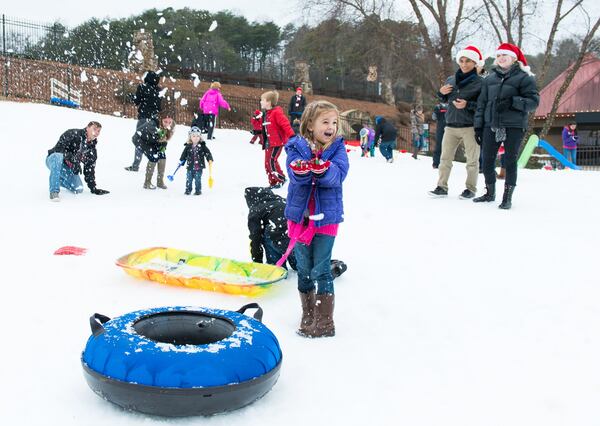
{"points": [[506, 52], [472, 53]]}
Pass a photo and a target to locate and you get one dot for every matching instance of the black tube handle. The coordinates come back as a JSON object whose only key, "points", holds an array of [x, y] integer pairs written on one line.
{"points": [[96, 322], [257, 315]]}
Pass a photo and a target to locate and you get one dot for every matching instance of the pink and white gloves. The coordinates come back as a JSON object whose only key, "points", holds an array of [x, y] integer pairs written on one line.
{"points": [[316, 166]]}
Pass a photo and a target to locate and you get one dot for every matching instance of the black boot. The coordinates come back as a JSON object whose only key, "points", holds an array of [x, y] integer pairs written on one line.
{"points": [[507, 197], [489, 196]]}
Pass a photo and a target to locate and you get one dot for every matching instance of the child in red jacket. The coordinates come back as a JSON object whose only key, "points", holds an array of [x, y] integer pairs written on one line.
{"points": [[257, 124], [276, 132]]}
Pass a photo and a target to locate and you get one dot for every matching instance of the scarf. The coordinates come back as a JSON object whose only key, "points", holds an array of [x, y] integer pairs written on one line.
{"points": [[501, 132]]}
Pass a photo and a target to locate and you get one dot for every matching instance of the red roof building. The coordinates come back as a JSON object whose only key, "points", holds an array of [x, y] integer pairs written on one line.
{"points": [[582, 95], [580, 104]]}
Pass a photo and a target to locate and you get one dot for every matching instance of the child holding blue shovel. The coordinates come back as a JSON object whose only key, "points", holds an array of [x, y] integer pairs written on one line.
{"points": [[193, 154]]}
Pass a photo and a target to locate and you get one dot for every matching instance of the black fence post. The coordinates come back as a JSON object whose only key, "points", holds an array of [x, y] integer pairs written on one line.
{"points": [[69, 71], [124, 97], [5, 80]]}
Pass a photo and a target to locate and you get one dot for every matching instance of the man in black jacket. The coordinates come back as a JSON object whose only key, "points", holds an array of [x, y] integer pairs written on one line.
{"points": [[147, 99], [297, 105], [267, 226], [268, 229], [75, 147], [461, 92]]}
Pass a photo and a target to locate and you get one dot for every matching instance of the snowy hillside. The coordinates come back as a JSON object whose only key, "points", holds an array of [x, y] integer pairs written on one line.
{"points": [[450, 313]]}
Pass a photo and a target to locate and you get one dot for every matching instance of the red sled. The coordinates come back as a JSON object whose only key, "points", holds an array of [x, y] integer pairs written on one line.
{"points": [[70, 250]]}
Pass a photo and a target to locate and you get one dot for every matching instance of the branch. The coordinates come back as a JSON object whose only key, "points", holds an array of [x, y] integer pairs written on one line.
{"points": [[457, 23], [422, 27], [493, 21], [499, 12], [577, 3]]}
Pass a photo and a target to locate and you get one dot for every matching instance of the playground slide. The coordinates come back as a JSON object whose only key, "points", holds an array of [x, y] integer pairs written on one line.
{"points": [[531, 144], [535, 142], [553, 152]]}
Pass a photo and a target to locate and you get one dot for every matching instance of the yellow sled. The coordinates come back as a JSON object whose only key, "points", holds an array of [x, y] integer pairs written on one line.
{"points": [[182, 268]]}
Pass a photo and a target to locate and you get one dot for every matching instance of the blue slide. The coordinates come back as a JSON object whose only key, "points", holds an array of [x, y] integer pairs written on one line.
{"points": [[553, 152]]}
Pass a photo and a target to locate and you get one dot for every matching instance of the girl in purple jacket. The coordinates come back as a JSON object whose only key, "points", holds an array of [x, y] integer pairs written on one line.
{"points": [[317, 164], [570, 139], [210, 103]]}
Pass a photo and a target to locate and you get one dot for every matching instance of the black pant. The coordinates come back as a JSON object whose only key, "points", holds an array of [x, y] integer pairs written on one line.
{"points": [[210, 124], [439, 135], [514, 137], [206, 124]]}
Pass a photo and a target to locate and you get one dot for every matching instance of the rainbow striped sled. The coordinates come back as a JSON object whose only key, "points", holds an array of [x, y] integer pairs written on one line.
{"points": [[183, 268]]}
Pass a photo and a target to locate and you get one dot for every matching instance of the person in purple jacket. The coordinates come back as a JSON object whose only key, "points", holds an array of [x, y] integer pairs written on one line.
{"points": [[210, 103], [570, 139], [367, 141], [317, 165]]}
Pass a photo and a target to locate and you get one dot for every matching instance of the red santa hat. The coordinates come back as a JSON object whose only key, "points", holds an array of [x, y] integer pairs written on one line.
{"points": [[471, 52], [515, 52]]}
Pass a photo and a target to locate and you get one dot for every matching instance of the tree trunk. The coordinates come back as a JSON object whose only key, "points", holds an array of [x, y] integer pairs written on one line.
{"points": [[387, 91], [418, 95]]}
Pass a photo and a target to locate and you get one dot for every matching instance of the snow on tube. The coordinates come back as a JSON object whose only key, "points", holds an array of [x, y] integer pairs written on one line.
{"points": [[181, 361], [182, 268]]}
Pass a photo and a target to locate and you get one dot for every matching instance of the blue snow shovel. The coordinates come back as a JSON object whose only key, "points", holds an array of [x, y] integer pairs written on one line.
{"points": [[171, 177]]}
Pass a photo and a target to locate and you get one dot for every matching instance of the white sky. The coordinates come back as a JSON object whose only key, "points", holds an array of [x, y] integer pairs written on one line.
{"points": [[74, 12], [282, 12]]}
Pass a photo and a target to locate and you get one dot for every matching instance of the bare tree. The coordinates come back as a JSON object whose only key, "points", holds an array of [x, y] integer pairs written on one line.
{"points": [[510, 18], [447, 32], [437, 40], [572, 70]]}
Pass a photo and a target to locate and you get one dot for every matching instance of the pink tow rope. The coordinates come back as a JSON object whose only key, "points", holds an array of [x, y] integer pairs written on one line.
{"points": [[301, 233]]}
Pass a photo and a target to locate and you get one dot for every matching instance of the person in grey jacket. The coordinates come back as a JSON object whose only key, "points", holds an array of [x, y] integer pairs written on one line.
{"points": [[461, 92], [508, 94]]}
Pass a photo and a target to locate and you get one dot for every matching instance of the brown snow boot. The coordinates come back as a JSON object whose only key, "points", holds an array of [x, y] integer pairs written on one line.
{"points": [[149, 173], [162, 164], [323, 325], [502, 174], [308, 311]]}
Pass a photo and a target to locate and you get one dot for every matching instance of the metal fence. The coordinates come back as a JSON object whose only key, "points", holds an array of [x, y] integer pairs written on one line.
{"points": [[108, 92], [588, 158], [56, 42]]}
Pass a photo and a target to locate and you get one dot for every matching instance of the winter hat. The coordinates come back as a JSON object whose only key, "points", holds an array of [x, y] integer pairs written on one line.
{"points": [[194, 131], [298, 88], [515, 52], [473, 53]]}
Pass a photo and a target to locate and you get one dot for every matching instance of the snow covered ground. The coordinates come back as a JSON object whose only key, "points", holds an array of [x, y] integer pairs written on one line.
{"points": [[450, 313]]}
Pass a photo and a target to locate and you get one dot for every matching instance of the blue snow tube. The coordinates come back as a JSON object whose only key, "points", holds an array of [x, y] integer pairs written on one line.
{"points": [[181, 361]]}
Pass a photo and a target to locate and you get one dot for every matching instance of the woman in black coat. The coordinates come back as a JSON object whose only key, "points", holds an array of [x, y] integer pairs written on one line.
{"points": [[508, 95], [148, 102]]}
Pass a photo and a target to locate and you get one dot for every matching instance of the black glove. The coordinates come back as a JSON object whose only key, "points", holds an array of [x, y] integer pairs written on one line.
{"points": [[98, 191], [478, 135], [503, 104]]}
